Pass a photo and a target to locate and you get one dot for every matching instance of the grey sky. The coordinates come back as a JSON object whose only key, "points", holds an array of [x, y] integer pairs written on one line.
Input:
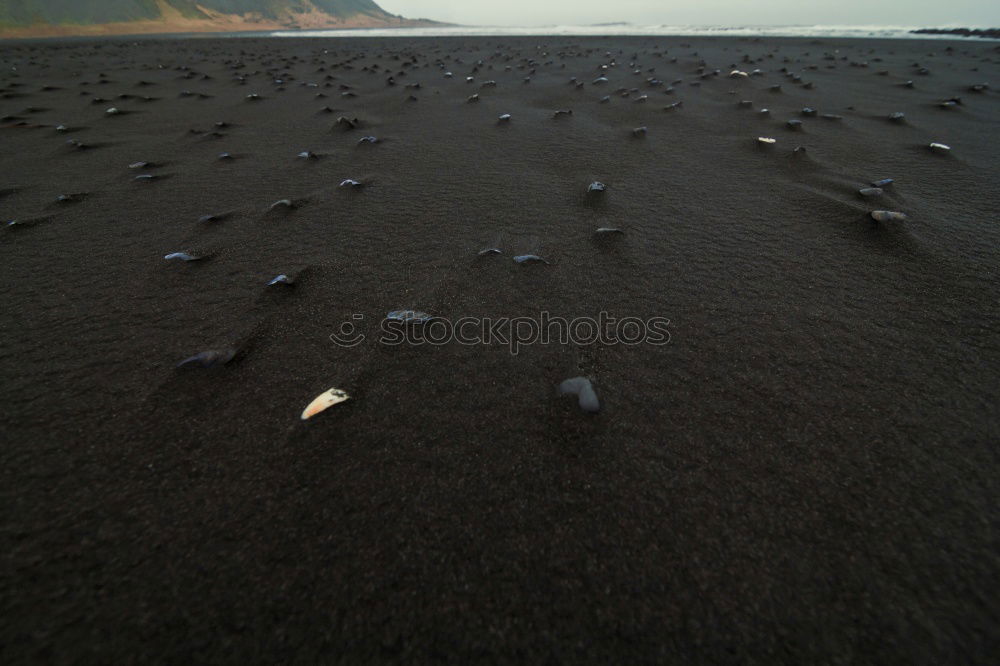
{"points": [[726, 12]]}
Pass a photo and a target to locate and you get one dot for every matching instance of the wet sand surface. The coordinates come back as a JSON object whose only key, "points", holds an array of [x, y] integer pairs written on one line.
{"points": [[806, 473]]}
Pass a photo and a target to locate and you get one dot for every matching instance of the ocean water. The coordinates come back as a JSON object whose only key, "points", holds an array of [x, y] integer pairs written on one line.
{"points": [[627, 29]]}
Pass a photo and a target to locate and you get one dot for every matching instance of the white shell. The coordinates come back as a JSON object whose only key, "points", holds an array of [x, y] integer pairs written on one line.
{"points": [[324, 401], [939, 147], [765, 140]]}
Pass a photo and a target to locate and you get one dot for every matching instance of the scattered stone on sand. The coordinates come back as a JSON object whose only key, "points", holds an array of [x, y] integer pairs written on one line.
{"points": [[209, 359], [183, 256], [529, 259], [409, 316], [582, 388], [889, 216]]}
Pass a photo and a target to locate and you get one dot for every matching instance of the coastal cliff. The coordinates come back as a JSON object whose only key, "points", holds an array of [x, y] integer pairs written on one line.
{"points": [[44, 18]]}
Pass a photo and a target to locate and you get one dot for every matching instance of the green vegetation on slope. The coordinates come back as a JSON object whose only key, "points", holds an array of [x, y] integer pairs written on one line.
{"points": [[28, 12], [85, 12]]}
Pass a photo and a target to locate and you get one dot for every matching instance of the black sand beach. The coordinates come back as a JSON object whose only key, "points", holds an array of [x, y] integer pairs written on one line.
{"points": [[806, 473]]}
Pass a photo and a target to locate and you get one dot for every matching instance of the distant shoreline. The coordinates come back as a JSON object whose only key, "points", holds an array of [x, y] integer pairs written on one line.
{"points": [[421, 27], [988, 33]]}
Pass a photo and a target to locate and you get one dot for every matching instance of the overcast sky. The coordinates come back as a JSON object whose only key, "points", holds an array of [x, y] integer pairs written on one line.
{"points": [[703, 12]]}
